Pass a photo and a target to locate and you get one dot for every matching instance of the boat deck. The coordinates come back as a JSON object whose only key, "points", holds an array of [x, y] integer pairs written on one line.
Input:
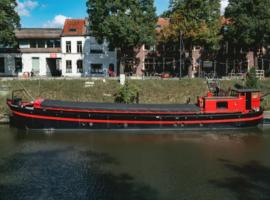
{"points": [[121, 107]]}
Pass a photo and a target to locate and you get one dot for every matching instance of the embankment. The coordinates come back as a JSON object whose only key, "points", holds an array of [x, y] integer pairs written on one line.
{"points": [[151, 91]]}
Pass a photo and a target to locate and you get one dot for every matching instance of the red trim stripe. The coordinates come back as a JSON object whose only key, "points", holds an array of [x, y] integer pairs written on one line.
{"points": [[136, 121]]}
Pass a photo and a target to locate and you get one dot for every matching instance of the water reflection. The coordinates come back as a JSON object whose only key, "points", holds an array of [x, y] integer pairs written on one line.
{"points": [[67, 174], [251, 182], [190, 165]]}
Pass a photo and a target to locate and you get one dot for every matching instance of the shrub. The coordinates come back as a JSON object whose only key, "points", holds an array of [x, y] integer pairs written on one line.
{"points": [[251, 79], [127, 94]]}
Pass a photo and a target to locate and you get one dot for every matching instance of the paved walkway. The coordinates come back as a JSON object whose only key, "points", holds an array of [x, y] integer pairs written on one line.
{"points": [[267, 114]]}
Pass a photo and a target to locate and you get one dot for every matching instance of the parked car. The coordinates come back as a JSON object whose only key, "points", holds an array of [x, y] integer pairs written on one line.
{"points": [[166, 75]]}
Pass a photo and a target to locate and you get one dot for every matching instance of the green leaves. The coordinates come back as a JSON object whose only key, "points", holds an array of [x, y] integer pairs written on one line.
{"points": [[9, 21], [250, 23], [198, 20], [125, 24]]}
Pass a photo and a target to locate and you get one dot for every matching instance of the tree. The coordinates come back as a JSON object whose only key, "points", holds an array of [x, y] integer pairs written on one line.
{"points": [[198, 21], [125, 24], [250, 22], [9, 21]]}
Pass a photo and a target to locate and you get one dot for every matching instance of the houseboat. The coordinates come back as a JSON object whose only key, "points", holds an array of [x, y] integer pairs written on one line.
{"points": [[240, 109]]}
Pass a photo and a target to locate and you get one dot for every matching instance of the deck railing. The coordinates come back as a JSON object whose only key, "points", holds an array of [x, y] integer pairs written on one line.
{"points": [[260, 74]]}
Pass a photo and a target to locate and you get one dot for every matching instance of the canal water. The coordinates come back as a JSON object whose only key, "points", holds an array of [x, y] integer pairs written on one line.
{"points": [[120, 166]]}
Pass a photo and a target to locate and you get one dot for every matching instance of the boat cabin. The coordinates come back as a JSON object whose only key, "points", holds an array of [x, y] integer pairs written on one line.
{"points": [[242, 101]]}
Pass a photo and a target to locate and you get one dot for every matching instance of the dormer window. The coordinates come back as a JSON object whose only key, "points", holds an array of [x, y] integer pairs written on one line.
{"points": [[72, 30]]}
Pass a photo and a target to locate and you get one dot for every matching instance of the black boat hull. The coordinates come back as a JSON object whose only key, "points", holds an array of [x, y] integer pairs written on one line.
{"points": [[53, 120]]}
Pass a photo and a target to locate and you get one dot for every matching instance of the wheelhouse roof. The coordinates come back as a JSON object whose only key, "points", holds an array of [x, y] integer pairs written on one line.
{"points": [[246, 90]]}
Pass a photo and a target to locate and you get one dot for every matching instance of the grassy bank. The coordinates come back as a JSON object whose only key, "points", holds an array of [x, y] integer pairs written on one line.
{"points": [[151, 91]]}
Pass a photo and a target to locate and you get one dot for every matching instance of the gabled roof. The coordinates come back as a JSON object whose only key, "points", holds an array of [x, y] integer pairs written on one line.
{"points": [[74, 27], [162, 22], [38, 33]]}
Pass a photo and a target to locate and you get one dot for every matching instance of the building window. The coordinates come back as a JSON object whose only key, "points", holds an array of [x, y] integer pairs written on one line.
{"points": [[41, 43], [222, 105], [18, 65], [96, 51], [50, 44], [24, 44], [57, 44], [68, 47], [33, 44], [69, 66], [80, 66], [96, 69], [72, 30], [79, 47], [35, 65], [111, 49], [2, 65]]}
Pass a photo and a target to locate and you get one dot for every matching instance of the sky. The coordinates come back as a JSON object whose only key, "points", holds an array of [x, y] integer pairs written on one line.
{"points": [[52, 13]]}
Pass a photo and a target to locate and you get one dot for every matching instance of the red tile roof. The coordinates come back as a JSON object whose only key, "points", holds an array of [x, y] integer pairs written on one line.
{"points": [[74, 27], [163, 22]]}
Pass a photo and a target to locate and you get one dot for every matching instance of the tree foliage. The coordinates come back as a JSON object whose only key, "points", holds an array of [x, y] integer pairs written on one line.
{"points": [[198, 20], [125, 24], [250, 22], [9, 21]]}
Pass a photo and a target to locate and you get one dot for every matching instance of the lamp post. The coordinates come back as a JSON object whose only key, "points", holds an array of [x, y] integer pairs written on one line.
{"points": [[180, 55], [181, 47]]}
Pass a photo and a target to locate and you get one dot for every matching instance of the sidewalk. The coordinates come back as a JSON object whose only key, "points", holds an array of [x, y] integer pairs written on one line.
{"points": [[266, 114], [4, 119]]}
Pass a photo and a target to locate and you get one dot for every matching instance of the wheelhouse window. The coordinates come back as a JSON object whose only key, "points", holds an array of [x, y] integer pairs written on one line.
{"points": [[222, 105], [255, 95], [80, 66], [68, 66], [79, 47], [68, 47], [2, 65]]}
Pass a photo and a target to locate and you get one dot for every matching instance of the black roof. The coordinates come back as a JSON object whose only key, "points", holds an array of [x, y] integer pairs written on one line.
{"points": [[122, 107]]}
